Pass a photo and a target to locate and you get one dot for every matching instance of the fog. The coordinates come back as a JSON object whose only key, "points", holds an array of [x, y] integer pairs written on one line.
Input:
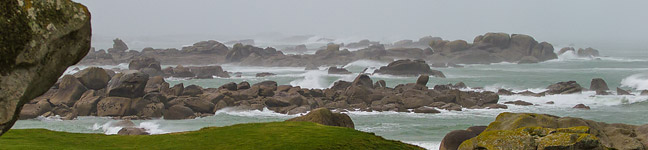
{"points": [[585, 22]]}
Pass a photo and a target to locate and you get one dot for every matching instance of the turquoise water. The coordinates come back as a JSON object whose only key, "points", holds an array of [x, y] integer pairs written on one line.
{"points": [[624, 69]]}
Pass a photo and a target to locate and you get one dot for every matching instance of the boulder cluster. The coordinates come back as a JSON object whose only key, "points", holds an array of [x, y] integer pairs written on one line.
{"points": [[587, 52], [133, 94], [541, 131]]}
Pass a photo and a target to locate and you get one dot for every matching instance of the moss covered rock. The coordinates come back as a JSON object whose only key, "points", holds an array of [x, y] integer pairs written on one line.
{"points": [[541, 131], [40, 39]]}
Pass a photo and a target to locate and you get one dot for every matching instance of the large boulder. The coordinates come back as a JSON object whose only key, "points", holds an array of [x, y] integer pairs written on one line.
{"points": [[598, 84], [183, 72], [70, 90], [531, 131], [569, 87], [34, 110], [326, 117], [93, 78], [409, 68], [588, 52], [177, 112], [207, 47], [132, 131], [144, 62], [207, 72], [155, 84], [453, 139], [130, 84], [113, 106], [87, 104], [118, 46]]}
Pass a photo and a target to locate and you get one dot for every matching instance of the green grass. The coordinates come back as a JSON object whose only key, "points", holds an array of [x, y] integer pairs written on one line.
{"points": [[272, 135]]}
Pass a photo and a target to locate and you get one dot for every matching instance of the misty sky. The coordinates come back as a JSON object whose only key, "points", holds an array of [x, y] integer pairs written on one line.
{"points": [[566, 21]]}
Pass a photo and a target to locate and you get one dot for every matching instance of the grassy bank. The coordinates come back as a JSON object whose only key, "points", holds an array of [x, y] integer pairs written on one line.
{"points": [[273, 135]]}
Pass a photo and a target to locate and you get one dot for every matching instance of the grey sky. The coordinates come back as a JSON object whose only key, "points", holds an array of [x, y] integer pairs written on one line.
{"points": [[559, 21]]}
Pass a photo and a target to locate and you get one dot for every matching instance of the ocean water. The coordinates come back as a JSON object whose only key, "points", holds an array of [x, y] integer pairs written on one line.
{"points": [[626, 69]]}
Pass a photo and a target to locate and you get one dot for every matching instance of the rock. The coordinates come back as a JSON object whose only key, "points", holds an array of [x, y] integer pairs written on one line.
{"points": [[569, 87], [130, 84], [243, 85], [531, 131], [87, 104], [207, 72], [326, 117], [566, 49], [504, 92], [177, 112], [453, 139], [199, 105], [409, 68], [265, 74], [622, 92], [30, 111], [588, 52], [132, 131], [599, 92], [155, 84], [550, 102], [581, 106], [192, 90], [232, 86], [113, 106], [335, 70], [182, 72], [118, 46], [644, 93], [70, 90], [363, 80], [519, 102], [93, 78], [598, 84], [459, 85], [380, 83], [340, 85], [529, 93], [422, 80], [144, 62], [207, 47], [426, 110], [178, 89], [528, 60], [496, 106]]}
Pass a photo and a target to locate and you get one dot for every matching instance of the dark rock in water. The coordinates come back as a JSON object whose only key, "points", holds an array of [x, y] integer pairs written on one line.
{"points": [[599, 92], [504, 92], [452, 140], [598, 84], [550, 102], [644, 93], [622, 92], [118, 46], [177, 112], [93, 78], [409, 68], [426, 110], [581, 106], [496, 106], [240, 52], [459, 85], [363, 80], [207, 47], [265, 74], [422, 80], [132, 131], [144, 62], [182, 72], [130, 84], [70, 90], [340, 85], [569, 87], [588, 52], [567, 49], [326, 117], [30, 111], [519, 102], [113, 106], [335, 70], [529, 93], [192, 90], [207, 72]]}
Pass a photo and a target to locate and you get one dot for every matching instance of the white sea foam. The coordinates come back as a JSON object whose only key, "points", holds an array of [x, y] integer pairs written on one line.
{"points": [[252, 113], [111, 127], [312, 79], [366, 64], [637, 81], [426, 144]]}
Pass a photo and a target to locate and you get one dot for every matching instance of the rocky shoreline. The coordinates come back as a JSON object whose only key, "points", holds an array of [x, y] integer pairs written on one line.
{"points": [[485, 49]]}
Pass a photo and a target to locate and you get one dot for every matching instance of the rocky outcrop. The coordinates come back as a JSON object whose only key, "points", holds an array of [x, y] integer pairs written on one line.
{"points": [[265, 74], [409, 68], [336, 70], [622, 92], [540, 131], [598, 84], [453, 139], [587, 52], [569, 87], [40, 40], [130, 84], [326, 117], [94, 78]]}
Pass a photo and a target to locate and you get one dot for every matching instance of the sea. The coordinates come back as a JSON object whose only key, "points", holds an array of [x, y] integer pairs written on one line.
{"points": [[623, 68]]}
